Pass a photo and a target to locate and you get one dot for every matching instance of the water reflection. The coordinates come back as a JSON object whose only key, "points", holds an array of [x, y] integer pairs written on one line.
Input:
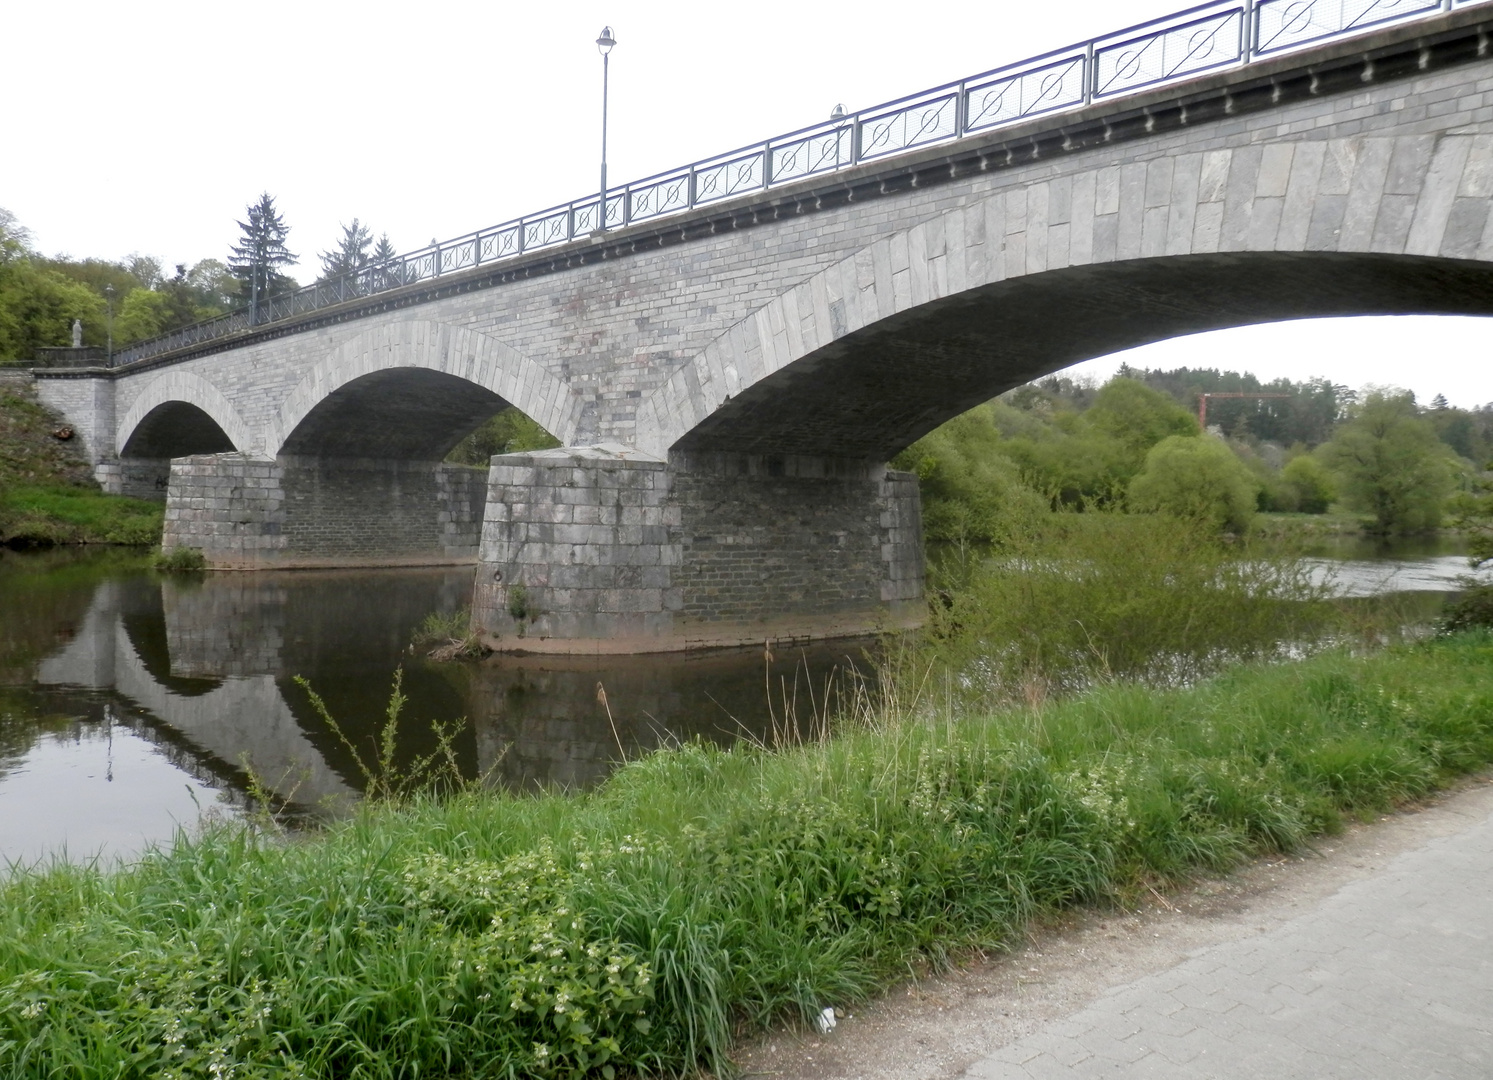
{"points": [[186, 685]]}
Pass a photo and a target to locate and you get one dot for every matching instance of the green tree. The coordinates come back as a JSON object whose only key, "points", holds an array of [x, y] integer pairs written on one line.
{"points": [[37, 308], [1138, 416], [1310, 483], [351, 253], [1390, 464], [508, 432], [1199, 479], [143, 313], [972, 493], [260, 254]]}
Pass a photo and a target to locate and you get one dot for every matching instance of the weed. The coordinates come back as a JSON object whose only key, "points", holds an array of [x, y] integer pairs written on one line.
{"points": [[180, 560]]}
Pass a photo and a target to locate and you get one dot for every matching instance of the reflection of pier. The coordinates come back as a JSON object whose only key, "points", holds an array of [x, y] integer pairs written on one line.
{"points": [[236, 719], [208, 665], [539, 720]]}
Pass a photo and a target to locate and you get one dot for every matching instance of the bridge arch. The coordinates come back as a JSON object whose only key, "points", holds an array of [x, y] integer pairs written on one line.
{"points": [[181, 413], [413, 389], [876, 350]]}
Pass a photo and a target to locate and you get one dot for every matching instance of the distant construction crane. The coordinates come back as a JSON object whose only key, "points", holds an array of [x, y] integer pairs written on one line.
{"points": [[1203, 403]]}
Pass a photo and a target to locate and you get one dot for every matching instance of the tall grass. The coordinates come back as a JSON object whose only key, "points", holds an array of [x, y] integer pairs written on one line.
{"points": [[701, 893], [1080, 598]]}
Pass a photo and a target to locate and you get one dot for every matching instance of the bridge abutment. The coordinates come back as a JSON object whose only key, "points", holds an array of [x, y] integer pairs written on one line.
{"points": [[242, 511], [606, 549]]}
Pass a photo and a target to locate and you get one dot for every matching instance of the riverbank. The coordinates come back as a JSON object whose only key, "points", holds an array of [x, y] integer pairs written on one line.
{"points": [[47, 492], [939, 1027], [700, 894]]}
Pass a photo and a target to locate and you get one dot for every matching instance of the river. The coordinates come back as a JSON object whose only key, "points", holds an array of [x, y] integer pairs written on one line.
{"points": [[132, 703]]}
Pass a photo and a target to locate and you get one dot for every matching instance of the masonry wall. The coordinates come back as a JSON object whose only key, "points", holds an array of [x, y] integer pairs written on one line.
{"points": [[246, 511], [139, 478], [605, 549], [359, 509]]}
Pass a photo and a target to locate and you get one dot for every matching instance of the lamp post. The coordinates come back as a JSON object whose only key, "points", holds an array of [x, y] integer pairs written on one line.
{"points": [[109, 340], [604, 44]]}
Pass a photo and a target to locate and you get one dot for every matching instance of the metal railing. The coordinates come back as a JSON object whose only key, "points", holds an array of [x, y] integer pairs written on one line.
{"points": [[1179, 46]]}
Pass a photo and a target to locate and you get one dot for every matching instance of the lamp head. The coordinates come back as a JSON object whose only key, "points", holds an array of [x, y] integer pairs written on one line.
{"points": [[838, 113], [605, 43]]}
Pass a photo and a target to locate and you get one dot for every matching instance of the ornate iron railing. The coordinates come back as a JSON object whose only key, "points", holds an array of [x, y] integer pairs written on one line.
{"points": [[1179, 46]]}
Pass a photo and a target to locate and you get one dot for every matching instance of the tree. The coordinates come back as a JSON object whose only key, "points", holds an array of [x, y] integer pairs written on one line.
{"points": [[1310, 483], [971, 492], [508, 432], [15, 238], [1390, 463], [258, 257], [351, 253], [1138, 416], [1198, 479]]}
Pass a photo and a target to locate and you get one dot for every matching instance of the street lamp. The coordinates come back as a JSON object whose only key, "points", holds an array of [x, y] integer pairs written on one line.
{"points": [[109, 347], [604, 45]]}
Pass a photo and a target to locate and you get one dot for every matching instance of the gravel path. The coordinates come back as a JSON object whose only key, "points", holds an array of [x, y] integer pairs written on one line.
{"points": [[1371, 957]]}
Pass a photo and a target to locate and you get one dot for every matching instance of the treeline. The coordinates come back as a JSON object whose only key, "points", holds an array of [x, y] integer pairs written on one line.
{"points": [[1135, 444], [136, 298]]}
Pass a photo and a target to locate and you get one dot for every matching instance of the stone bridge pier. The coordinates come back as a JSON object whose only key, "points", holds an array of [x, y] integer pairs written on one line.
{"points": [[254, 512], [609, 549]]}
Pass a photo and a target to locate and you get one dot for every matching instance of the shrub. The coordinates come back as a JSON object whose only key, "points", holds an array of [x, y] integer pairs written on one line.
{"points": [[181, 560], [1311, 484], [1199, 479]]}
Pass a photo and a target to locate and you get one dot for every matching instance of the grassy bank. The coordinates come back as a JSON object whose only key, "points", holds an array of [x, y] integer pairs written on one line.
{"points": [[701, 893], [47, 491], [55, 514]]}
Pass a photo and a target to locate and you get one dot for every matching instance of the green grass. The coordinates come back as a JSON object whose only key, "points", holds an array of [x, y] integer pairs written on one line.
{"points": [[700, 893], [45, 514]]}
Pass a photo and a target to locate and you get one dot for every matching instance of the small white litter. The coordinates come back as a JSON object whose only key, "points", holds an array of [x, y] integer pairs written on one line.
{"points": [[825, 1021]]}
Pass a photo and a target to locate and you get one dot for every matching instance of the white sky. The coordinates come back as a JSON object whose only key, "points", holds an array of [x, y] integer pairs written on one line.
{"points": [[149, 126]]}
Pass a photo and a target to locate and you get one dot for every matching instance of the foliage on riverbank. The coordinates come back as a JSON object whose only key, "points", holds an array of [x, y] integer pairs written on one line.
{"points": [[47, 491], [1077, 598], [52, 514], [701, 893]]}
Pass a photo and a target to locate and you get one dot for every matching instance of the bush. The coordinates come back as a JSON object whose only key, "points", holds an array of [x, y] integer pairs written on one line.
{"points": [[1310, 483], [971, 491], [1472, 610], [1199, 479], [182, 560], [1098, 595]]}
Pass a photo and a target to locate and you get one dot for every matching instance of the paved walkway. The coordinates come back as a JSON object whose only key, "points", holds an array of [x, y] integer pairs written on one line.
{"points": [[1391, 977]]}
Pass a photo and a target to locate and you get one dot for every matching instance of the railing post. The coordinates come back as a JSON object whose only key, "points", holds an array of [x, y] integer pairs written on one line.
{"points": [[961, 111], [1090, 75], [855, 139], [1249, 32], [766, 165], [477, 250], [435, 261], [692, 187]]}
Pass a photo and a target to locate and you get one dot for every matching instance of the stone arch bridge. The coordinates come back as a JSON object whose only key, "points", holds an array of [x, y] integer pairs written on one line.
{"points": [[729, 382]]}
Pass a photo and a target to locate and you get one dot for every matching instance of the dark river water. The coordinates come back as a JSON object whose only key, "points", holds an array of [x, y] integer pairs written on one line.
{"points": [[132, 703]]}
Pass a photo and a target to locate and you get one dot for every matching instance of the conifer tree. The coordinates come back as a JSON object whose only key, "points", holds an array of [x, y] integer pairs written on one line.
{"points": [[257, 258], [351, 253]]}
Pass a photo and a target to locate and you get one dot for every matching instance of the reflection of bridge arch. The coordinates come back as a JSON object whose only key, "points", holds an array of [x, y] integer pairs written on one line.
{"points": [[414, 389], [871, 353], [180, 413]]}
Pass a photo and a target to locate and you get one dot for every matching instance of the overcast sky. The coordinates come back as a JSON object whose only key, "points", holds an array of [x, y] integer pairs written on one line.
{"points": [[148, 127]]}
